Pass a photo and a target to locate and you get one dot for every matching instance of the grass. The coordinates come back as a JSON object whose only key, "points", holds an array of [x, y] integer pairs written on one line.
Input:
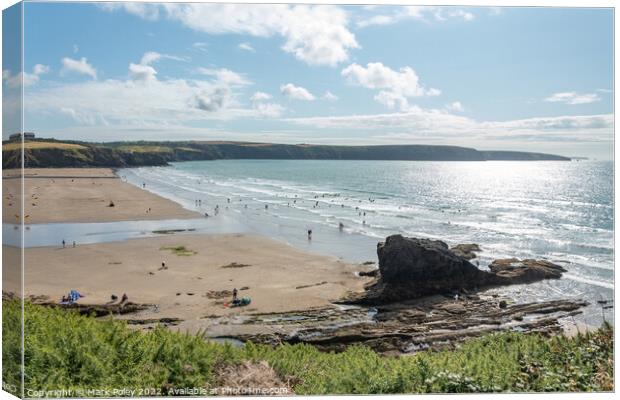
{"points": [[179, 250], [41, 145], [145, 149], [68, 351]]}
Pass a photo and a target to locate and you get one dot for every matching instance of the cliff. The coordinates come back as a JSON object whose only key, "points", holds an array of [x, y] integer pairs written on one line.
{"points": [[43, 153]]}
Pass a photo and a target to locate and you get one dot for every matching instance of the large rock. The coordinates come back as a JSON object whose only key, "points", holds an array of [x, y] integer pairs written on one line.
{"points": [[411, 268], [466, 250], [513, 270], [427, 264]]}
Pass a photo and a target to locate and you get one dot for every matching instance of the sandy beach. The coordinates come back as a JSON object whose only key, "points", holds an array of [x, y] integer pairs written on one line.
{"points": [[199, 273], [82, 195], [277, 277]]}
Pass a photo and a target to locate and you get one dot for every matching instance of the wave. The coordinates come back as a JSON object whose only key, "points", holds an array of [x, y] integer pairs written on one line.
{"points": [[589, 281]]}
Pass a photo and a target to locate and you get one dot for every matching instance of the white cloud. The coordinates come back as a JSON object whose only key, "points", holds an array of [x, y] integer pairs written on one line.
{"points": [[201, 46], [26, 78], [461, 14], [39, 69], [143, 100], [260, 96], [329, 96], [144, 71], [213, 99], [270, 110], [264, 108], [380, 19], [392, 100], [225, 76], [146, 11], [296, 92], [246, 46], [80, 66], [141, 72], [419, 123], [317, 35], [151, 102], [150, 57], [395, 87], [573, 98], [84, 119], [455, 106], [420, 13]]}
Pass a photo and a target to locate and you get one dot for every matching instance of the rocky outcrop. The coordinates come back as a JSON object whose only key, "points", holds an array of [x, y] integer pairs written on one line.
{"points": [[466, 250], [101, 310], [412, 268], [513, 270], [435, 322]]}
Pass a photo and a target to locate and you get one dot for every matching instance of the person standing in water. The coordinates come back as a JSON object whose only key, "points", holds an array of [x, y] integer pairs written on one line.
{"points": [[309, 234]]}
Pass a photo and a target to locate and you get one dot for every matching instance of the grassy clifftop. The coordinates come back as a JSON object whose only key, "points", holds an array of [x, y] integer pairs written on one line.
{"points": [[43, 153], [67, 351]]}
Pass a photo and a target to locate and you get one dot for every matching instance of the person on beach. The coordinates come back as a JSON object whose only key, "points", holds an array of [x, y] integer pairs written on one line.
{"points": [[74, 244], [63, 243], [234, 293], [309, 234]]}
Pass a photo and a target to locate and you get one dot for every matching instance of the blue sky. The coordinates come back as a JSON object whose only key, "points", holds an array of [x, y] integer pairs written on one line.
{"points": [[533, 79]]}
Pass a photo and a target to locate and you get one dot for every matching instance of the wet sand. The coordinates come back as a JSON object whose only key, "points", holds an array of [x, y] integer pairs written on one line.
{"points": [[82, 195], [278, 277]]}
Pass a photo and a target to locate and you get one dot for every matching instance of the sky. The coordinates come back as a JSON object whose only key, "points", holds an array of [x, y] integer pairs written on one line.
{"points": [[530, 79]]}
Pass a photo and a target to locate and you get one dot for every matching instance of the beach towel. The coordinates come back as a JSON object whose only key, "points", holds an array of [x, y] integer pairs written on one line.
{"points": [[74, 296]]}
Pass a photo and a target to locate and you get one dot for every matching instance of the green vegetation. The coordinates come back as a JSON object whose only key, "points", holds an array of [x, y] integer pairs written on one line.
{"points": [[145, 149], [179, 250], [40, 145], [68, 351], [43, 153]]}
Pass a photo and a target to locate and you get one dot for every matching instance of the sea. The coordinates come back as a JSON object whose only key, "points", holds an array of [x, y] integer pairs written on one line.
{"points": [[561, 211]]}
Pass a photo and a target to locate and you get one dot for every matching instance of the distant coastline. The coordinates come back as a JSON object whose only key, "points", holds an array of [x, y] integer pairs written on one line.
{"points": [[48, 153]]}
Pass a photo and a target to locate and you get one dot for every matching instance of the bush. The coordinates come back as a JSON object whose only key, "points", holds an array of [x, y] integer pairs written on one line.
{"points": [[67, 351]]}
